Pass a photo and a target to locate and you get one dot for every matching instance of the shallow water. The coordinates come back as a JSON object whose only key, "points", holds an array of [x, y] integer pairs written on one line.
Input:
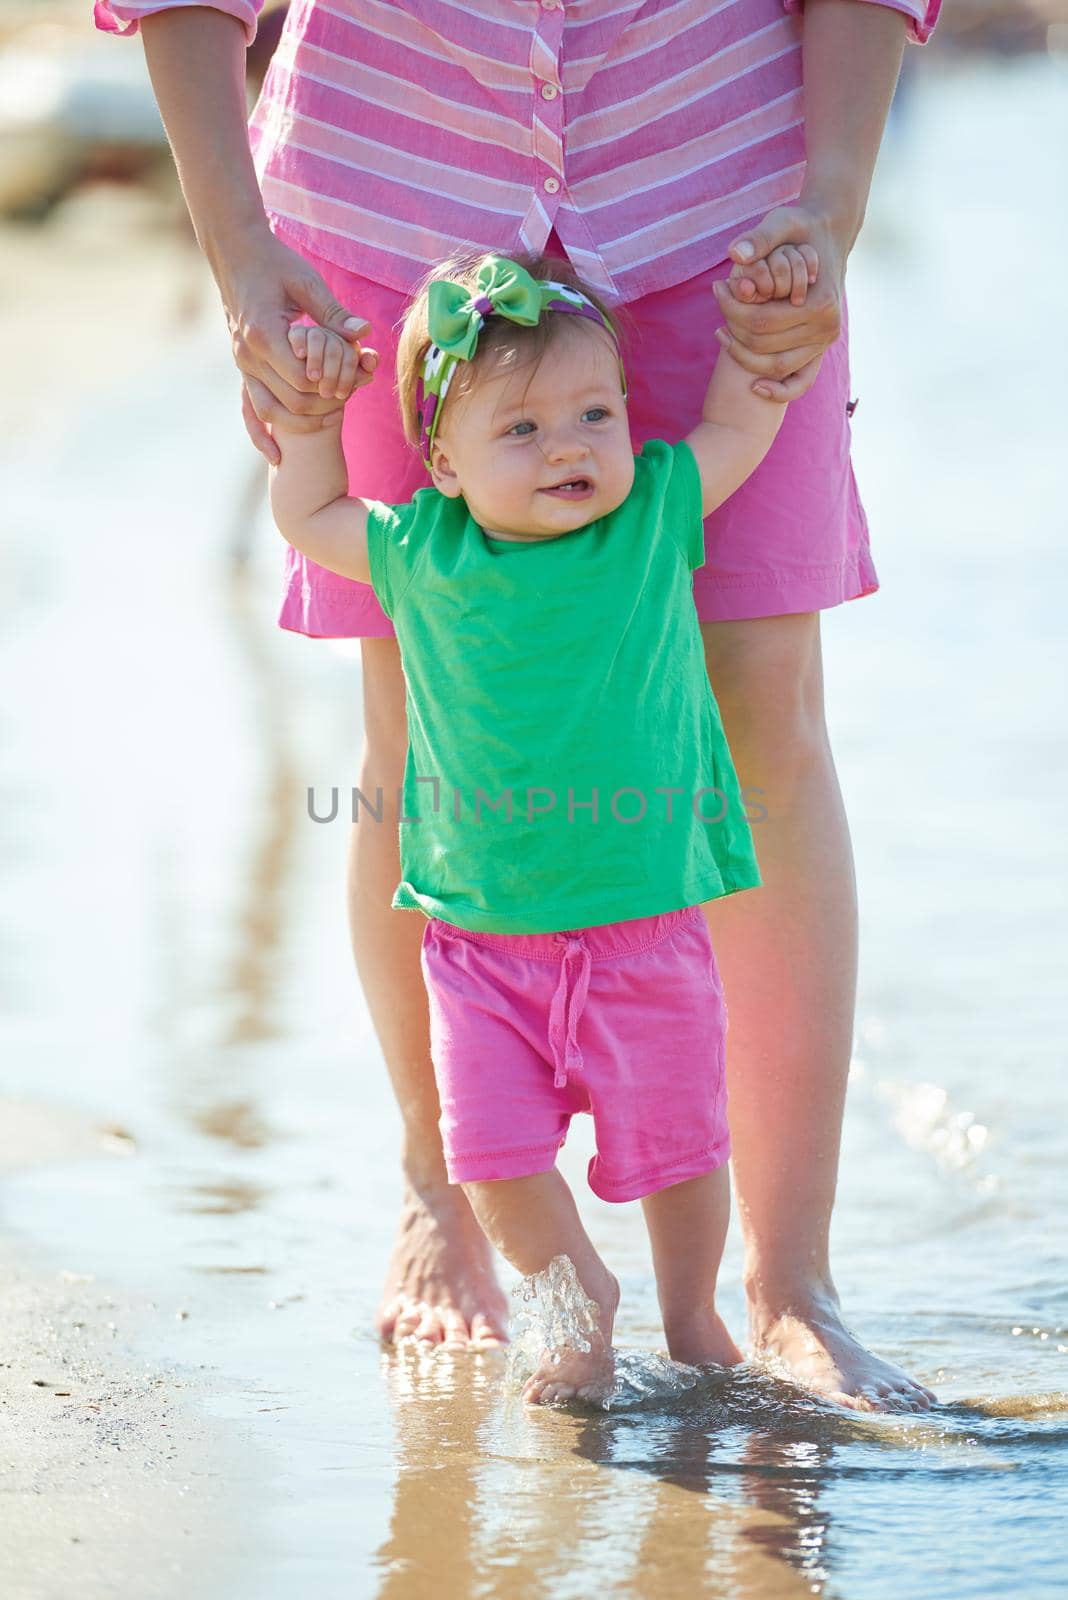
{"points": [[176, 973]]}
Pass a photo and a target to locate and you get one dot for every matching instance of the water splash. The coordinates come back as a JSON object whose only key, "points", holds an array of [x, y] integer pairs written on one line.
{"points": [[646, 1377], [554, 1313], [927, 1119], [557, 1315]]}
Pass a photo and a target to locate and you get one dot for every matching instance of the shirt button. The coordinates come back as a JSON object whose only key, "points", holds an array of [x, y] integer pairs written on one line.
{"points": [[552, 185], [549, 91]]}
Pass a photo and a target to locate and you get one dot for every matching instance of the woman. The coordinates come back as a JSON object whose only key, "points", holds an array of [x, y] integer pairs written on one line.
{"points": [[660, 144]]}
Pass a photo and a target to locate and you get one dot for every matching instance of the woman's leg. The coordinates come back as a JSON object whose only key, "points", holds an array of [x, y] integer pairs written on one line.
{"points": [[788, 956], [531, 1221], [687, 1229], [441, 1284]]}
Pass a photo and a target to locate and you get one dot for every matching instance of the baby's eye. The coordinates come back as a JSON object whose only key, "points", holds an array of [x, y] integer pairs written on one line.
{"points": [[595, 414], [519, 430]]}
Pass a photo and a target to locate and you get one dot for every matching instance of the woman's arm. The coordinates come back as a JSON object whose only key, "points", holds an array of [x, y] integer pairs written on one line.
{"points": [[851, 58], [851, 55], [196, 59]]}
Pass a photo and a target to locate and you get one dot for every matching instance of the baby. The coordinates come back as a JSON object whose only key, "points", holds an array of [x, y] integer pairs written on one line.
{"points": [[569, 798]]}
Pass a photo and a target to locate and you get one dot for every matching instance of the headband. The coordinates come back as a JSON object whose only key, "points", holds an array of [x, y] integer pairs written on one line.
{"points": [[455, 317]]}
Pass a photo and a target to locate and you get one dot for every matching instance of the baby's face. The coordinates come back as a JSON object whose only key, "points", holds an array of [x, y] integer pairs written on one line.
{"points": [[544, 450]]}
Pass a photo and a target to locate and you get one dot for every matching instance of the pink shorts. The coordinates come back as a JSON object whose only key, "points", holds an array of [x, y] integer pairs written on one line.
{"points": [[626, 1021], [793, 538]]}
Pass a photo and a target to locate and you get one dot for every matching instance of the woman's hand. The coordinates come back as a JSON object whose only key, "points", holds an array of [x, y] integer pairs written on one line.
{"points": [[779, 342], [265, 287]]}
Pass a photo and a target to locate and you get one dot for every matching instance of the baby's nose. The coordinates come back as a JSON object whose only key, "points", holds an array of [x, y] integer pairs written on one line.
{"points": [[567, 447]]}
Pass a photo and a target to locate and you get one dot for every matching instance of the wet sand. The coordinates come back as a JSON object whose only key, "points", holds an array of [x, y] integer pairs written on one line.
{"points": [[197, 1123], [111, 1482]]}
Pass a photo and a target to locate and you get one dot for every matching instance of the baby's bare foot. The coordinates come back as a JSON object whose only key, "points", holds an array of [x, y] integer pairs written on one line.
{"points": [[699, 1338], [573, 1374], [818, 1351]]}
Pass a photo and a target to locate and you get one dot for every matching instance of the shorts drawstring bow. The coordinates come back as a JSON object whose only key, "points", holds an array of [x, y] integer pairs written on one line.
{"points": [[567, 1007]]}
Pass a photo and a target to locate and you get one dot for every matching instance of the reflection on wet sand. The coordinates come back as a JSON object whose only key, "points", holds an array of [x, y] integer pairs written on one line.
{"points": [[439, 1404], [220, 1199], [246, 982], [751, 1449], [492, 1499], [230, 1272], [763, 1536], [725, 1492], [234, 1121]]}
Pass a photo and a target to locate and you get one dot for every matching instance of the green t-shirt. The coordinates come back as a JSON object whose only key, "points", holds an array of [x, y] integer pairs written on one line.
{"points": [[563, 736]]}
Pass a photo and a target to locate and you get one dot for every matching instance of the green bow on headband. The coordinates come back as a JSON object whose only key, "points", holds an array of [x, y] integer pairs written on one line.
{"points": [[455, 316]]}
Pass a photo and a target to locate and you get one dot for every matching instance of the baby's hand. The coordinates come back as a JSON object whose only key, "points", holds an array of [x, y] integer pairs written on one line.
{"points": [[337, 365], [786, 274]]}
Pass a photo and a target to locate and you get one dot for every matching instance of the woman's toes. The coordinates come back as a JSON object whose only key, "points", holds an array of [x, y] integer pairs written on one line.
{"points": [[429, 1329], [903, 1396], [487, 1334], [415, 1324], [387, 1319], [892, 1398], [406, 1323], [454, 1331]]}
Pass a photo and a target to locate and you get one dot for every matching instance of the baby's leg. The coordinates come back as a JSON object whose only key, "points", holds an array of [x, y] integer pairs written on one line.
{"points": [[531, 1220], [687, 1229]]}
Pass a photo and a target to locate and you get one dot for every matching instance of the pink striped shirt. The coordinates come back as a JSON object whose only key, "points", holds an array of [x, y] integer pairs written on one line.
{"points": [[648, 132]]}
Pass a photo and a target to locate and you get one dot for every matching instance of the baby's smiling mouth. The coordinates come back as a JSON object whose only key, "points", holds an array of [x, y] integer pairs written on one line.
{"points": [[578, 488]]}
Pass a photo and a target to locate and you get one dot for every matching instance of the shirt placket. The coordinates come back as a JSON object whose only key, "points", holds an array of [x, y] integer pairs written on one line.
{"points": [[547, 123]]}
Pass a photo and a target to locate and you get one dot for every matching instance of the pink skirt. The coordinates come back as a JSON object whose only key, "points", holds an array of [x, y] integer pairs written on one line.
{"points": [[793, 538]]}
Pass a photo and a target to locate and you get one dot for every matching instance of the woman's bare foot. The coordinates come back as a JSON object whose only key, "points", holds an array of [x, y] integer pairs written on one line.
{"points": [[700, 1339], [572, 1374], [808, 1337], [441, 1287]]}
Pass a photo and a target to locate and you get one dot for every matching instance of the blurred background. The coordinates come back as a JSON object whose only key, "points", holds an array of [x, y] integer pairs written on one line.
{"points": [[197, 1143]]}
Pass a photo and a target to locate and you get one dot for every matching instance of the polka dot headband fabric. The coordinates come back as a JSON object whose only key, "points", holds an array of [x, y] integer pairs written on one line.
{"points": [[456, 315]]}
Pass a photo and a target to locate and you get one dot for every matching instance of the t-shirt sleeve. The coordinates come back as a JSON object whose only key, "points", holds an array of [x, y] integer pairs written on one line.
{"points": [[112, 16], [682, 505], [922, 14], [396, 539]]}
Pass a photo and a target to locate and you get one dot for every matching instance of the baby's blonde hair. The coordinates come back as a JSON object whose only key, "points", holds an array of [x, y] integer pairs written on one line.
{"points": [[499, 335]]}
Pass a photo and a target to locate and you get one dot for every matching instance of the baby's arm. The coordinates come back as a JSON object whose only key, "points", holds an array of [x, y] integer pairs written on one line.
{"points": [[309, 488], [736, 430], [740, 419]]}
